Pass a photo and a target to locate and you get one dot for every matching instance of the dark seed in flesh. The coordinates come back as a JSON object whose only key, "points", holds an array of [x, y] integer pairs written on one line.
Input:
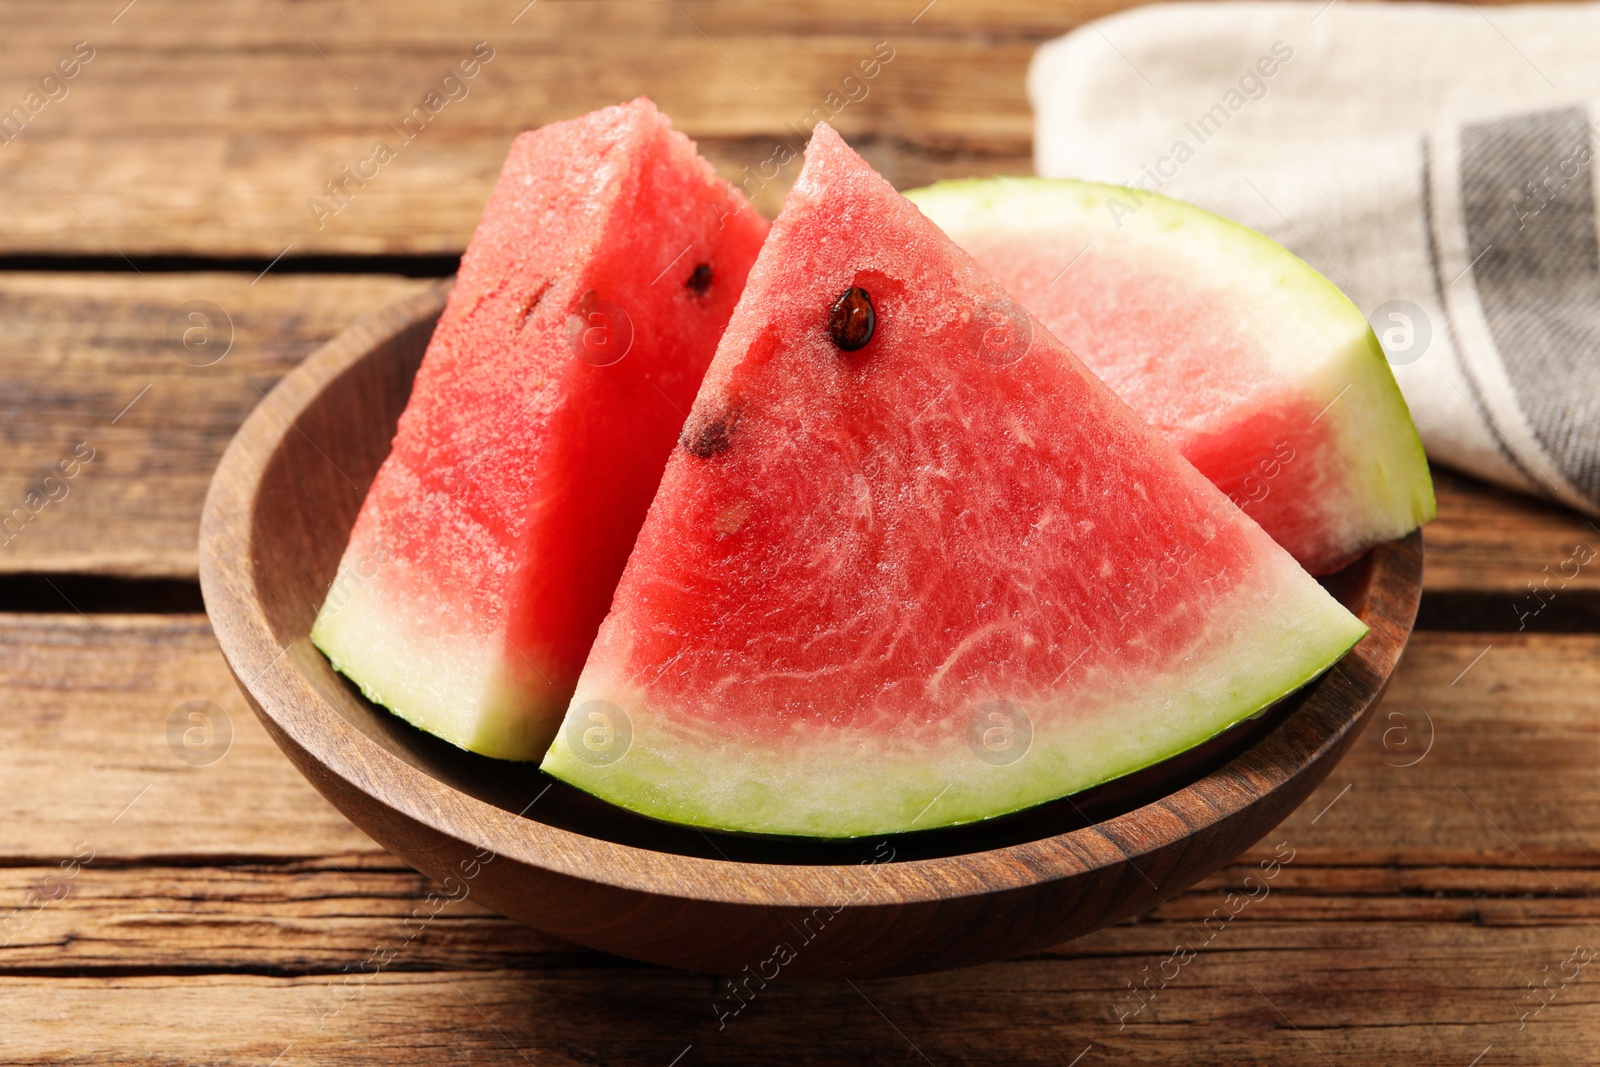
{"points": [[699, 280], [851, 320], [709, 439]]}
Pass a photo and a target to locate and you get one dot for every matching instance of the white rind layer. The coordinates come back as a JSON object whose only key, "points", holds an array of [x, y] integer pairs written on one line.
{"points": [[1271, 635], [449, 685]]}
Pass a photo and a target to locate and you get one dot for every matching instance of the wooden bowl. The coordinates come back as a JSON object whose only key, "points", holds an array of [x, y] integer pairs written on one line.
{"points": [[276, 521]]}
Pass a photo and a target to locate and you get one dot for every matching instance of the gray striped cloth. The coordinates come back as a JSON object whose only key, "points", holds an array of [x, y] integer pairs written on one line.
{"points": [[1435, 161]]}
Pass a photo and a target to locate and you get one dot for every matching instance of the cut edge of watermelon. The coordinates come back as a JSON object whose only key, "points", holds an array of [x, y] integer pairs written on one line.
{"points": [[1389, 483], [838, 787]]}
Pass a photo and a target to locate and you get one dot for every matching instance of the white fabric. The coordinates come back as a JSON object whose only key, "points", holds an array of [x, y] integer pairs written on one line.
{"points": [[1338, 130]]}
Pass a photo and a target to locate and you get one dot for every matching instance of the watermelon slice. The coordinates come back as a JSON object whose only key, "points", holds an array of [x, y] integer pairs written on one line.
{"points": [[914, 565], [588, 304], [1262, 373]]}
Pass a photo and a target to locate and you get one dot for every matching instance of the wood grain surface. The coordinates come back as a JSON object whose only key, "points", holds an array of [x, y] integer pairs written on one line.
{"points": [[96, 365], [146, 157], [1519, 712], [1418, 901], [77, 348], [1446, 869]]}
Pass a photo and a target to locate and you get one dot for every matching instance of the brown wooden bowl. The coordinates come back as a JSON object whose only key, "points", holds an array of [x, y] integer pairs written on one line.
{"points": [[276, 521]]}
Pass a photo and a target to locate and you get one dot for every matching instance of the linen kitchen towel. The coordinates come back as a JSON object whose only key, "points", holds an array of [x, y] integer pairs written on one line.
{"points": [[1435, 161]]}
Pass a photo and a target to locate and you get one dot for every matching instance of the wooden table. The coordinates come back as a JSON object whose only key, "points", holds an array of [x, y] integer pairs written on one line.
{"points": [[1439, 904]]}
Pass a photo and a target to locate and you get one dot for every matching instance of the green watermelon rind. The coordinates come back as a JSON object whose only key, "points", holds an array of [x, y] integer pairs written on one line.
{"points": [[1387, 485], [840, 788]]}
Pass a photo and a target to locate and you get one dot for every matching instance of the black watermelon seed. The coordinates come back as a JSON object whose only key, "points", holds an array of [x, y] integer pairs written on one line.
{"points": [[699, 280], [710, 439], [852, 319]]}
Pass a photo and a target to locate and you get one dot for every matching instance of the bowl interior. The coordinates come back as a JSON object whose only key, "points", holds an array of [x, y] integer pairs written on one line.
{"points": [[329, 448]]}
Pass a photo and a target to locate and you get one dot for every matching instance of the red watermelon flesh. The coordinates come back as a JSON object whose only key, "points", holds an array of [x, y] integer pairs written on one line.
{"points": [[1262, 373], [941, 577], [588, 304]]}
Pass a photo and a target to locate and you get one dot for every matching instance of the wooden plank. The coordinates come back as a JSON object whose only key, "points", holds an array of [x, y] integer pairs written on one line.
{"points": [[221, 153], [1410, 916], [411, 25], [1498, 771], [79, 349], [298, 918], [1474, 758], [746, 82], [1274, 993], [1491, 540], [94, 173], [86, 756], [285, 919], [309, 918]]}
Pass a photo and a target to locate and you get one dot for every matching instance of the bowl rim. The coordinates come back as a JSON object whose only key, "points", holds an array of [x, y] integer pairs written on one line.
{"points": [[263, 664]]}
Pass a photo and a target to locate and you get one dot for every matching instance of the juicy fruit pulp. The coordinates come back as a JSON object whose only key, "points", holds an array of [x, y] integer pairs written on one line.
{"points": [[941, 577], [1257, 368], [588, 305]]}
